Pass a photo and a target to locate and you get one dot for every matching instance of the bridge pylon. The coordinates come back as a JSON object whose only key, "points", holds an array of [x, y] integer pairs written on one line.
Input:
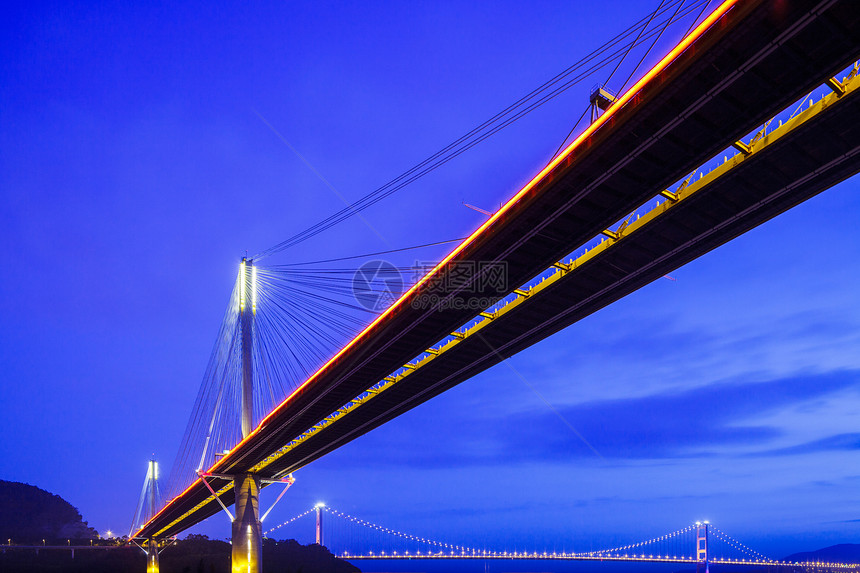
{"points": [[147, 507], [702, 547], [247, 528], [247, 312], [319, 526], [152, 544]]}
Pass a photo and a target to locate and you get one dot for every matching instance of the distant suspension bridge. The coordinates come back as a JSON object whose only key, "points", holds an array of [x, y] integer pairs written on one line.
{"points": [[351, 537]]}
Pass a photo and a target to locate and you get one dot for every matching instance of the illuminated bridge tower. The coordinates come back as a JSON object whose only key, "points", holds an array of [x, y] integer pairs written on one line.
{"points": [[701, 547], [247, 528], [147, 506], [151, 543], [319, 532]]}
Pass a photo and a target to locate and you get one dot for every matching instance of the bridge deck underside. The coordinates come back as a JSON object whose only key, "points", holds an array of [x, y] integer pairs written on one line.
{"points": [[740, 72], [823, 153]]}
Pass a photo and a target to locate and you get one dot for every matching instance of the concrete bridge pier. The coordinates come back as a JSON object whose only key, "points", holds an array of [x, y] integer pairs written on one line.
{"points": [[151, 556], [247, 528]]}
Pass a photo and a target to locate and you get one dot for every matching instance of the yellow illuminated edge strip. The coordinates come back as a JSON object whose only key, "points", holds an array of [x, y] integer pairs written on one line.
{"points": [[558, 271], [627, 96], [194, 509]]}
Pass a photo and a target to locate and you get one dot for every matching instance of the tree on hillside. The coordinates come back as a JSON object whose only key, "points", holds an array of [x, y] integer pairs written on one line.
{"points": [[29, 514]]}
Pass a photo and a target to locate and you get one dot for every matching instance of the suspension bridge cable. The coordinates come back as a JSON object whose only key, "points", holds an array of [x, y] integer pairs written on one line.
{"points": [[291, 520], [738, 545], [400, 534], [376, 254], [291, 303], [677, 546], [641, 60], [644, 543], [296, 299]]}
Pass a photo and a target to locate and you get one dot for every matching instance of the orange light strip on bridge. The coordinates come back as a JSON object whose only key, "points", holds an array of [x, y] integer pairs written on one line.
{"points": [[627, 96]]}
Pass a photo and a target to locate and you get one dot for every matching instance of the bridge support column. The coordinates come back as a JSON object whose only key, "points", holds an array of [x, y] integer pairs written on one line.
{"points": [[151, 556], [247, 528], [701, 547]]}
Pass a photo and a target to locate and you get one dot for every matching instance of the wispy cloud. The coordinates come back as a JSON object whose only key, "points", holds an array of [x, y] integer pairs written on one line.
{"points": [[847, 442], [715, 420]]}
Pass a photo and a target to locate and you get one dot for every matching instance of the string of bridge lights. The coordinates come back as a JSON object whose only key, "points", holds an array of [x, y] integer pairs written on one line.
{"points": [[400, 534], [722, 536], [643, 543], [289, 521]]}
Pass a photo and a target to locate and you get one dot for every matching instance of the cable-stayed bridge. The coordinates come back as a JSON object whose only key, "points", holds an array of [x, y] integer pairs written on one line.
{"points": [[751, 113], [700, 544]]}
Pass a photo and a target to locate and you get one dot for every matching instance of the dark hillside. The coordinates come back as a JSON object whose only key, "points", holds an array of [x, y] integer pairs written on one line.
{"points": [[194, 554], [29, 515], [842, 553]]}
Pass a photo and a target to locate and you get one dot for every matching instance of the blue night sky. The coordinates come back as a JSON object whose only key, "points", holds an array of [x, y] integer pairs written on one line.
{"points": [[137, 165]]}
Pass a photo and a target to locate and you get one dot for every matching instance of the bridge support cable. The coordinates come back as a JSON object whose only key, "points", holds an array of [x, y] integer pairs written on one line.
{"points": [[270, 314], [268, 533], [287, 481], [150, 498], [147, 507], [247, 528], [678, 546], [352, 537], [246, 377], [345, 539], [739, 183], [794, 130], [607, 54], [733, 549]]}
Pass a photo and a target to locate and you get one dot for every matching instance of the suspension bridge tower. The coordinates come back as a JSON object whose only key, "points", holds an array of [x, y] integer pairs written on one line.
{"points": [[247, 528], [319, 528], [702, 547]]}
